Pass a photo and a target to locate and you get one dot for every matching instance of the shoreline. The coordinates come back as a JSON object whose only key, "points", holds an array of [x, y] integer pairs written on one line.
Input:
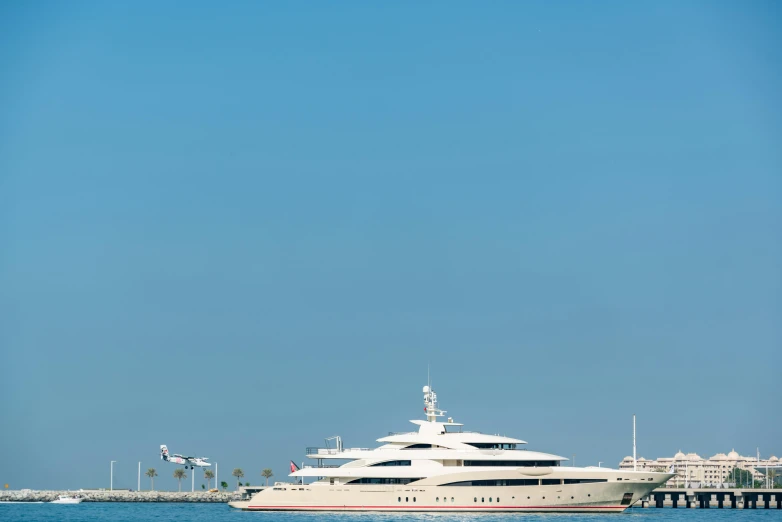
{"points": [[120, 496]]}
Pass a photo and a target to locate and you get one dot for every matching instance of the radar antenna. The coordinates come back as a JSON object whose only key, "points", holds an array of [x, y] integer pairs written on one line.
{"points": [[430, 405]]}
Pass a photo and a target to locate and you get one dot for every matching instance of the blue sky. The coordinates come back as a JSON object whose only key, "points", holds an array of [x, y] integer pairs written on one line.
{"points": [[240, 229]]}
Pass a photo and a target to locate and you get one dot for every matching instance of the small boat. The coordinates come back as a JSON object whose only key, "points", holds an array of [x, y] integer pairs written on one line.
{"points": [[67, 499]]}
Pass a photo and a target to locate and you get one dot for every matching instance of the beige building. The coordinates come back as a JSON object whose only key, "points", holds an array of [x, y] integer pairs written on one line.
{"points": [[695, 471]]}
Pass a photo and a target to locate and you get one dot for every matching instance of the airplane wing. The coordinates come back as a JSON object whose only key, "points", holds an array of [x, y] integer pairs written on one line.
{"points": [[182, 456]]}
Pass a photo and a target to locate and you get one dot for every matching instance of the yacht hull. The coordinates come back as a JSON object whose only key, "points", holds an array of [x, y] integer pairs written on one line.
{"points": [[582, 498], [434, 509]]}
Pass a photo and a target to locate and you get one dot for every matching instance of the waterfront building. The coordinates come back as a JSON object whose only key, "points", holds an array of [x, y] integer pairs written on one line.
{"points": [[695, 471]]}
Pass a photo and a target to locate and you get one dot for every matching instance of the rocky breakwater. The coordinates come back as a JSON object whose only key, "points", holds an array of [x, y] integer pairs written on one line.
{"points": [[26, 495]]}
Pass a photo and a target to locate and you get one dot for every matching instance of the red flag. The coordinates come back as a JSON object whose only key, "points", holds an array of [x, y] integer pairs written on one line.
{"points": [[294, 467]]}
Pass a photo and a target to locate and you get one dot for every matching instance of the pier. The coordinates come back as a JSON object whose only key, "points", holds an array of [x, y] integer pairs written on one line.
{"points": [[710, 498]]}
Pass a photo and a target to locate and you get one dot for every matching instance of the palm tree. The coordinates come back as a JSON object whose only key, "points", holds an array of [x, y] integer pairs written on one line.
{"points": [[268, 474], [208, 475], [224, 485], [151, 473], [238, 473], [179, 474]]}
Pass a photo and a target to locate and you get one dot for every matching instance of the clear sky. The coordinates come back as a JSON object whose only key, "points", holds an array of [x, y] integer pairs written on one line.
{"points": [[239, 228]]}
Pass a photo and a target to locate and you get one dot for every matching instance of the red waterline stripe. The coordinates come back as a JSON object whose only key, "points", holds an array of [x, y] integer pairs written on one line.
{"points": [[437, 507]]}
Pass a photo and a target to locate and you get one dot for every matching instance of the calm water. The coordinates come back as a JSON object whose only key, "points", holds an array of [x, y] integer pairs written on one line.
{"points": [[131, 512]]}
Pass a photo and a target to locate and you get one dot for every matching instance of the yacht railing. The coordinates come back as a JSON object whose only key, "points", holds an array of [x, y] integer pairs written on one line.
{"points": [[392, 433], [322, 466], [321, 451], [332, 451]]}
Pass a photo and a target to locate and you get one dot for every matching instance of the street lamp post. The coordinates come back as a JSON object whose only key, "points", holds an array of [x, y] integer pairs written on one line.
{"points": [[111, 480]]}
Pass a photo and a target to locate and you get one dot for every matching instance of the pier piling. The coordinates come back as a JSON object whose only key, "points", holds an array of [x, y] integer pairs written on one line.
{"points": [[711, 498]]}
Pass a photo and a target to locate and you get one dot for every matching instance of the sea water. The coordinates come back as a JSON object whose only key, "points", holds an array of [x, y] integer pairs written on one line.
{"points": [[161, 512]]}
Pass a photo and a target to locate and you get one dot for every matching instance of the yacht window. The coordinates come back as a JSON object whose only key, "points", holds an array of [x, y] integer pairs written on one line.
{"points": [[418, 446], [482, 499], [498, 499], [331, 481], [489, 499], [407, 499], [584, 481], [451, 499], [437, 499], [413, 499], [513, 463], [492, 445], [550, 482], [475, 499], [376, 480], [498, 482], [393, 463], [399, 499]]}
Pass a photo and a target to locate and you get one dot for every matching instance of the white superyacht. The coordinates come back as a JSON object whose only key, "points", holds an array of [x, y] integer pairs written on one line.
{"points": [[440, 467]]}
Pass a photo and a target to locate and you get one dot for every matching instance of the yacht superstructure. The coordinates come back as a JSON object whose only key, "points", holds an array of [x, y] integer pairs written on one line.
{"points": [[440, 467]]}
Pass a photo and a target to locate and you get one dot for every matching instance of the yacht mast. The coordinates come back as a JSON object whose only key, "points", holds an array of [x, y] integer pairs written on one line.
{"points": [[430, 405], [634, 461]]}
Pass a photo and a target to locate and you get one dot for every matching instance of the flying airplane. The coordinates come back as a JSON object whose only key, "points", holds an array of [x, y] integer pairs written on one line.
{"points": [[176, 458]]}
